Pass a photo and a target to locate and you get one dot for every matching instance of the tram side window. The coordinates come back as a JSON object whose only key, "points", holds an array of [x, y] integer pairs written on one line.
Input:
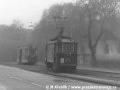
{"points": [[59, 47], [70, 45], [23, 54], [65, 48], [26, 52], [75, 47], [50, 48]]}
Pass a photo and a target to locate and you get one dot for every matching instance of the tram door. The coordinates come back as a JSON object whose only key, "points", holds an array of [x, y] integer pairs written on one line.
{"points": [[24, 55]]}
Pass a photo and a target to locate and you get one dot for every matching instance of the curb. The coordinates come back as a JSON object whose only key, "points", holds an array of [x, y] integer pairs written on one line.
{"points": [[88, 79], [102, 71]]}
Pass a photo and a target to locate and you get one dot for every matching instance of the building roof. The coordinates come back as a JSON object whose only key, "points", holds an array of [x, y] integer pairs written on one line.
{"points": [[109, 35]]}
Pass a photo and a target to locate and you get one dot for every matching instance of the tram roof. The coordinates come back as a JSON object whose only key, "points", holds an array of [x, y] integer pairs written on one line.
{"points": [[23, 47], [62, 40]]}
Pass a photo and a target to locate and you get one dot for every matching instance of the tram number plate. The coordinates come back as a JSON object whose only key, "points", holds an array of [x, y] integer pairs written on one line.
{"points": [[62, 60]]}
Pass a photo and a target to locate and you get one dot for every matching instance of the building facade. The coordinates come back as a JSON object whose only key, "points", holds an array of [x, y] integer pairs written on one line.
{"points": [[107, 49]]}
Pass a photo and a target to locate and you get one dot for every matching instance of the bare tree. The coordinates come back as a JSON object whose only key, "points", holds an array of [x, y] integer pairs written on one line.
{"points": [[18, 24], [97, 10]]}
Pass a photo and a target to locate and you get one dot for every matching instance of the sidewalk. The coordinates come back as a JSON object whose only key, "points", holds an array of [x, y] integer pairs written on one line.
{"points": [[98, 69]]}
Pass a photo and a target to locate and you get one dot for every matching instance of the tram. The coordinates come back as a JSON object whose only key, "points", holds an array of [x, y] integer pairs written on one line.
{"points": [[61, 53], [27, 55]]}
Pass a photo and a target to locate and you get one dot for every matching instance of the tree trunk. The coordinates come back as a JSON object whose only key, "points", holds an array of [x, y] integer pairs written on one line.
{"points": [[93, 57]]}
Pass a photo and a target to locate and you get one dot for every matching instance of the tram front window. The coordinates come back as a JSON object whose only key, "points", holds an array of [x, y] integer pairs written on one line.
{"points": [[32, 51], [68, 48]]}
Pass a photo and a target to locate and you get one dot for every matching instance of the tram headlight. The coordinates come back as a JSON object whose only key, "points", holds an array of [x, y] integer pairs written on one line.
{"points": [[62, 60]]}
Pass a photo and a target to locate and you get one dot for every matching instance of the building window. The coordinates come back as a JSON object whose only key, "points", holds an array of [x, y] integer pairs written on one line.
{"points": [[106, 48], [119, 48]]}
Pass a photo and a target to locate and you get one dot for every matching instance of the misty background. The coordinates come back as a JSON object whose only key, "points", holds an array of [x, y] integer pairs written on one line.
{"points": [[16, 35]]}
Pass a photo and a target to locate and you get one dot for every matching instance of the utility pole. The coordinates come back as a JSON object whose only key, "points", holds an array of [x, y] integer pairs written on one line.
{"points": [[59, 20], [31, 41], [19, 43]]}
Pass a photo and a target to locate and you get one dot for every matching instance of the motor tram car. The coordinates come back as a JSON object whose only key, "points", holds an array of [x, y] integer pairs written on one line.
{"points": [[27, 55], [61, 53]]}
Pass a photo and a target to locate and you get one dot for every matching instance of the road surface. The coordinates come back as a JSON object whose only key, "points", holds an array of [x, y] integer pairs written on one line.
{"points": [[12, 78]]}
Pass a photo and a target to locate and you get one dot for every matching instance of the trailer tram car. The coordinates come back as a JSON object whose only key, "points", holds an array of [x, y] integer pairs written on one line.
{"points": [[27, 55], [61, 54]]}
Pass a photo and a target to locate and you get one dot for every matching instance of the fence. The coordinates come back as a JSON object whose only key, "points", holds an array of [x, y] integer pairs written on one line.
{"points": [[84, 59]]}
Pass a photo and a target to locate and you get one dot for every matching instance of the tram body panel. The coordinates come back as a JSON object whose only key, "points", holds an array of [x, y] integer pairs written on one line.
{"points": [[26, 56], [24, 59], [50, 53], [62, 54]]}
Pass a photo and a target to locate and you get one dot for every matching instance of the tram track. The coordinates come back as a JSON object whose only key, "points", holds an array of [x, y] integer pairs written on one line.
{"points": [[104, 78], [94, 76], [88, 78]]}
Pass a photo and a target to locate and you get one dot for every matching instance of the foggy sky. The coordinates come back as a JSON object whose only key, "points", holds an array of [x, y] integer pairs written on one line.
{"points": [[25, 10]]}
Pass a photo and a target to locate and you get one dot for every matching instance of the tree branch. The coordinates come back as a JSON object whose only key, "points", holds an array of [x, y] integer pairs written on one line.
{"points": [[97, 40], [102, 31], [89, 28]]}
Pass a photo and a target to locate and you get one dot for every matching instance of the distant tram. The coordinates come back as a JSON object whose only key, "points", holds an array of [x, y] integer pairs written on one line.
{"points": [[61, 53], [27, 55]]}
